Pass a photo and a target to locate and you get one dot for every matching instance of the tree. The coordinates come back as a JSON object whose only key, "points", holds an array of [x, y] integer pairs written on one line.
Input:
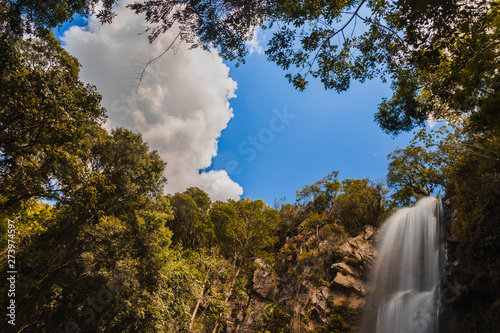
{"points": [[441, 56], [100, 259], [360, 203], [116, 274], [350, 203], [34, 16], [424, 167], [245, 228], [320, 196], [46, 113], [119, 176], [29, 218], [191, 224], [414, 173]]}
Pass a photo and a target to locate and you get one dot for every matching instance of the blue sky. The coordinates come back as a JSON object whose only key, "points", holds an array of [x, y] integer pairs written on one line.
{"points": [[329, 132], [279, 139]]}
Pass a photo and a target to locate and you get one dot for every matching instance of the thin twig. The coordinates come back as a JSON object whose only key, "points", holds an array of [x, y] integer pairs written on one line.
{"points": [[152, 61], [382, 26], [335, 33]]}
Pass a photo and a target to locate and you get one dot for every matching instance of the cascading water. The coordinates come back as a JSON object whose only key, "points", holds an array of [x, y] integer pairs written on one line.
{"points": [[407, 272]]}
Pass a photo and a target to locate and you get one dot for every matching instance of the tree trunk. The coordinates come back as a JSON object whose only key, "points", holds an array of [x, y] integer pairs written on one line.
{"points": [[231, 285], [228, 295], [197, 306], [216, 326], [237, 329]]}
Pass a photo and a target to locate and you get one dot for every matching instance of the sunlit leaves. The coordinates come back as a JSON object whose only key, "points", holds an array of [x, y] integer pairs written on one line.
{"points": [[46, 114], [191, 224], [245, 228], [424, 167], [350, 203]]}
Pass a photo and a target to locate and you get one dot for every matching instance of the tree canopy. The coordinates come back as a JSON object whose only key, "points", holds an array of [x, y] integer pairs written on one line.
{"points": [[46, 114], [35, 16], [441, 56]]}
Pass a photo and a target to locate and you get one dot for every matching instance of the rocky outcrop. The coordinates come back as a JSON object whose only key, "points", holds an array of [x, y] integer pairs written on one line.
{"points": [[311, 277], [265, 281], [348, 281], [358, 256]]}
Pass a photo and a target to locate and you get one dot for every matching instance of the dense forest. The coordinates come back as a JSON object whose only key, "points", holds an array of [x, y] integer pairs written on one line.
{"points": [[104, 249]]}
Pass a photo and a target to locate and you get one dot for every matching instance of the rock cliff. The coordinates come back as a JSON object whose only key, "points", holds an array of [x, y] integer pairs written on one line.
{"points": [[318, 283]]}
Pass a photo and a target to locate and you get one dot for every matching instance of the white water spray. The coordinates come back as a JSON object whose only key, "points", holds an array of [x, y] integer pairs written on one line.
{"points": [[407, 273]]}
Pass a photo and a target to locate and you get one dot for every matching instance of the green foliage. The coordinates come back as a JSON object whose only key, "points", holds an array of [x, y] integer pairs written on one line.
{"points": [[314, 221], [474, 185], [46, 114], [414, 172], [349, 204], [289, 249], [442, 56], [474, 192], [423, 168], [191, 225], [332, 229], [360, 203], [288, 222], [123, 266], [245, 228], [274, 319], [319, 197], [122, 173], [30, 218], [33, 16], [342, 318]]}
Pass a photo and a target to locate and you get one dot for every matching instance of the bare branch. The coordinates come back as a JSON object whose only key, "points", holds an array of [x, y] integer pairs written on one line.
{"points": [[155, 59]]}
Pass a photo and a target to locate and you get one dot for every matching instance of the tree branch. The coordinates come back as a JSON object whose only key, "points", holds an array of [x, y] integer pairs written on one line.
{"points": [[334, 34], [382, 26], [152, 61]]}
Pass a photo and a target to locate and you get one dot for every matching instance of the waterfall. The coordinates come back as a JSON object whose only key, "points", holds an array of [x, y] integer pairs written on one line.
{"points": [[406, 276]]}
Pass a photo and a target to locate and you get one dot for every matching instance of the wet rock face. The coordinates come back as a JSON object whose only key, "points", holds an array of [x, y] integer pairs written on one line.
{"points": [[334, 271]]}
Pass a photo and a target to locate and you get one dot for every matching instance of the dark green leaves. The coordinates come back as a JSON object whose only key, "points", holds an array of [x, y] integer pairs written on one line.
{"points": [[224, 24], [34, 16], [403, 111], [442, 55]]}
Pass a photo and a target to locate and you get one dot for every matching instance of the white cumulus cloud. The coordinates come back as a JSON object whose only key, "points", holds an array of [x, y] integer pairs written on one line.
{"points": [[254, 44], [180, 106]]}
